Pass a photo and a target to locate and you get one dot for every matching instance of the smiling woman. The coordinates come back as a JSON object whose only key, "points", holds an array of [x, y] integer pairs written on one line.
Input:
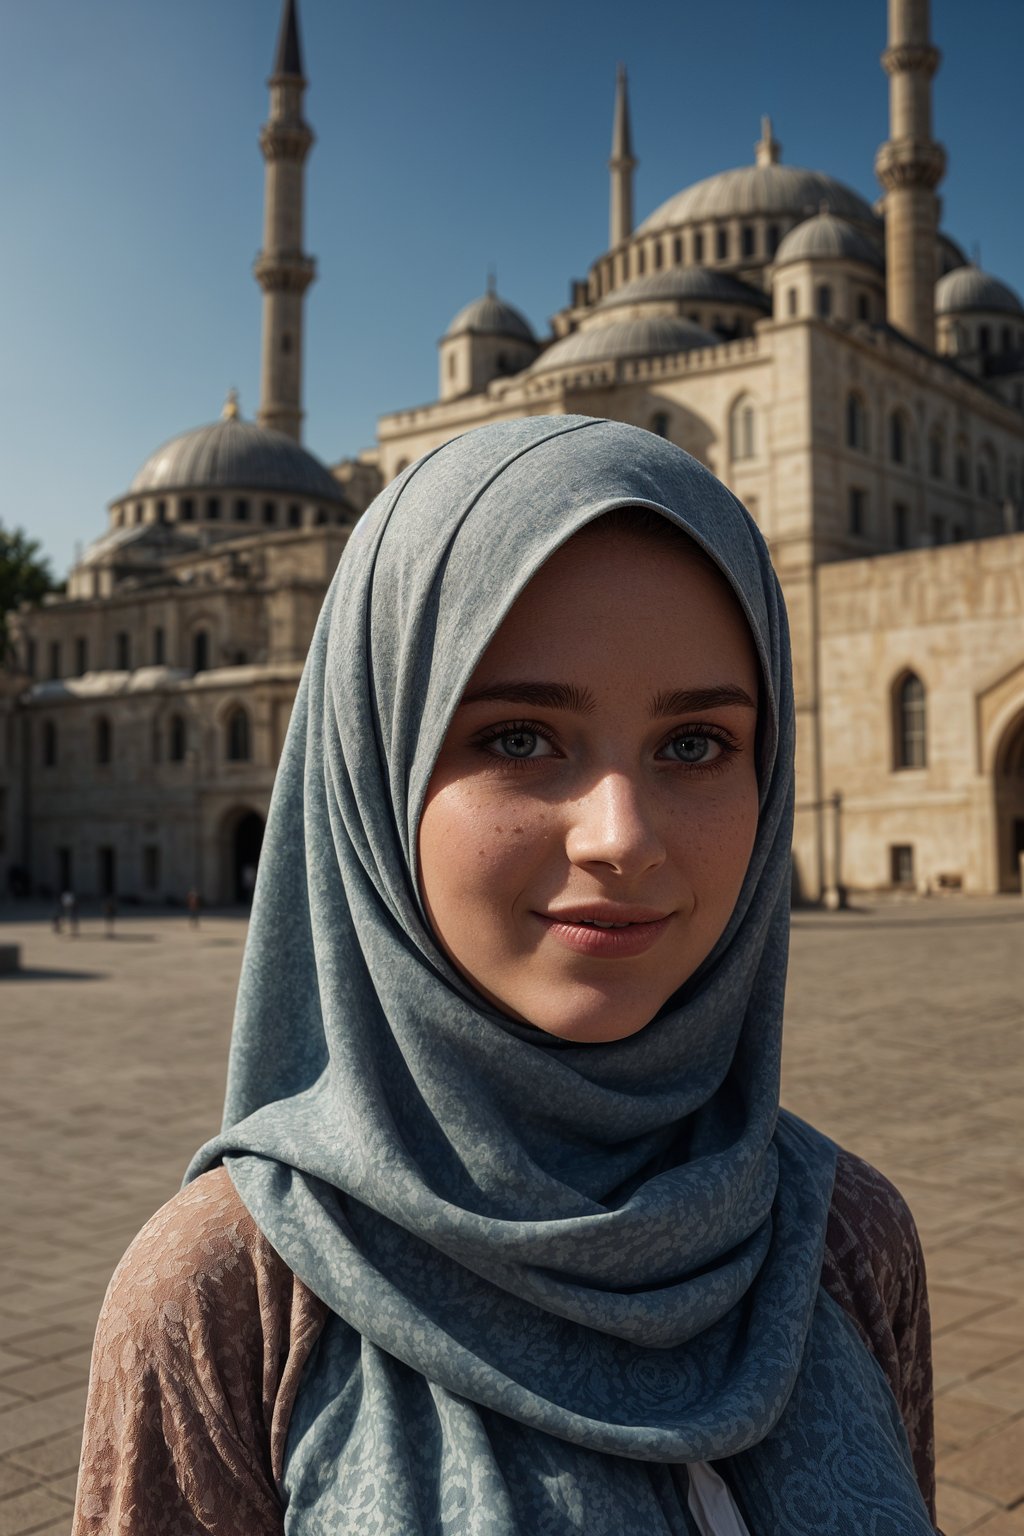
{"points": [[505, 1231]]}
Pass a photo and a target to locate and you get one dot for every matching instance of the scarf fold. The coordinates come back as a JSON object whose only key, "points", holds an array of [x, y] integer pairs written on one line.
{"points": [[558, 1273]]}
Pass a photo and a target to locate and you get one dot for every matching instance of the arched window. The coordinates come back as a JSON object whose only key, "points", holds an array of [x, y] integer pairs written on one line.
{"points": [[984, 338], [743, 429], [659, 424], [176, 739], [823, 300], [677, 251], [722, 244], [122, 651], [200, 650], [104, 740], [791, 301], [159, 647], [909, 702], [659, 257], [863, 307], [936, 453], [641, 260], [81, 655], [856, 422], [963, 468], [748, 238], [698, 246], [898, 437], [49, 744], [988, 473], [237, 732]]}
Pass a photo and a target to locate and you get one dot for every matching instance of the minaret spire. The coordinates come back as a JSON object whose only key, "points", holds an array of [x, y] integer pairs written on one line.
{"points": [[910, 165], [282, 270], [621, 165]]}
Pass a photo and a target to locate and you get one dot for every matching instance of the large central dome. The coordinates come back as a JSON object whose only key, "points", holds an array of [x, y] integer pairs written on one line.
{"points": [[752, 190]]}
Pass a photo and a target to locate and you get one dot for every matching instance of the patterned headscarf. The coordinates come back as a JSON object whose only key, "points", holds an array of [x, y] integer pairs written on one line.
{"points": [[558, 1272]]}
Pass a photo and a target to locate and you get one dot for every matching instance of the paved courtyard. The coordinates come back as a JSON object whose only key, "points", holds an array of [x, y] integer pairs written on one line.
{"points": [[906, 1043]]}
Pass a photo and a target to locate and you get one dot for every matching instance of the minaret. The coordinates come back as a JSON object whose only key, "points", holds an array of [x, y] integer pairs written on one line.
{"points": [[767, 150], [281, 269], [910, 165], [622, 165]]}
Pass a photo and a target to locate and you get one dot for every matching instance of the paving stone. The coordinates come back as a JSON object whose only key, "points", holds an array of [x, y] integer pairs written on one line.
{"points": [[961, 1420], [51, 1458], [994, 1466], [960, 1509], [30, 1510]]}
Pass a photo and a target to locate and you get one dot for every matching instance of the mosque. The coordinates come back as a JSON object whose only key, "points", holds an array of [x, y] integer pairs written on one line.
{"points": [[840, 365]]}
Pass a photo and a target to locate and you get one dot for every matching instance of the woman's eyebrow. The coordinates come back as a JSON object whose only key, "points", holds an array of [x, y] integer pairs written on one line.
{"points": [[580, 701], [687, 701], [543, 695]]}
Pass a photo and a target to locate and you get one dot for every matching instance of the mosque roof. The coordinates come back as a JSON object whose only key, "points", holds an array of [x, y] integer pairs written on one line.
{"points": [[490, 315], [700, 283], [826, 237], [647, 337], [237, 454], [759, 189], [969, 288]]}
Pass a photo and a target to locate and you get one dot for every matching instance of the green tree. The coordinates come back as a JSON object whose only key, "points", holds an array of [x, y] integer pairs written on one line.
{"points": [[25, 576]]}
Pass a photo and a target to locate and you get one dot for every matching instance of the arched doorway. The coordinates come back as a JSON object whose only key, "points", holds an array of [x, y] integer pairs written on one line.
{"points": [[1009, 788], [248, 841]]}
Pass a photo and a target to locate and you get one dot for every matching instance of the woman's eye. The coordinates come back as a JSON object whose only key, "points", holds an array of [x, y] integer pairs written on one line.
{"points": [[694, 749], [520, 744]]}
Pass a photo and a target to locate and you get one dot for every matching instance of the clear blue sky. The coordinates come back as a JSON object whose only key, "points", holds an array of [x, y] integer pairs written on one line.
{"points": [[449, 136]]}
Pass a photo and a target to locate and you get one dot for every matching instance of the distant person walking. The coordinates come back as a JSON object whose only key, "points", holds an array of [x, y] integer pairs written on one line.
{"points": [[109, 915], [69, 908], [193, 902]]}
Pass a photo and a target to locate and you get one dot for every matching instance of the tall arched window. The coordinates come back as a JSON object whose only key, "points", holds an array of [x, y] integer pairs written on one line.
{"points": [[200, 650], [856, 422], [104, 740], [122, 651], [823, 300], [963, 465], [898, 437], [909, 739], [49, 744], [239, 749], [988, 473], [936, 453], [743, 429], [176, 739]]}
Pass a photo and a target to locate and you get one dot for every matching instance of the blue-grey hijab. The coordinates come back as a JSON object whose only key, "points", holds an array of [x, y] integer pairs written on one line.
{"points": [[557, 1273]]}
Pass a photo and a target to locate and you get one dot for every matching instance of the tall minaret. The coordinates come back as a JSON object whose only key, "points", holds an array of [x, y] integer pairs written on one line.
{"points": [[910, 165], [281, 269], [622, 165]]}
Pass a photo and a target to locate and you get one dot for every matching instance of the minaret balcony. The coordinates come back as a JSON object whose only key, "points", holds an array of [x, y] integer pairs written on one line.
{"points": [[908, 163], [283, 271]]}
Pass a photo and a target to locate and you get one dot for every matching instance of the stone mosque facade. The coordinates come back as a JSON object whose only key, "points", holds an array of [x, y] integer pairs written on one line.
{"points": [[840, 365]]}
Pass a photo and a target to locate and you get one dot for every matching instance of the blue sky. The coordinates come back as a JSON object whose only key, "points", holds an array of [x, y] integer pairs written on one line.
{"points": [[450, 136]]}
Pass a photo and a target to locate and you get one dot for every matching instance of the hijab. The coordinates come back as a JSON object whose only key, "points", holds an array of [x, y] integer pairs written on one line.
{"points": [[557, 1273]]}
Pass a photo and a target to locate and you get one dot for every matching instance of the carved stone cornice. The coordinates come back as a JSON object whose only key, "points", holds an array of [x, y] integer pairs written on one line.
{"points": [[922, 58], [280, 273], [903, 163], [286, 139]]}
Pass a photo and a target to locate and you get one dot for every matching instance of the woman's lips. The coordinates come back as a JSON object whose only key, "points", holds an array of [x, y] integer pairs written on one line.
{"points": [[605, 943]]}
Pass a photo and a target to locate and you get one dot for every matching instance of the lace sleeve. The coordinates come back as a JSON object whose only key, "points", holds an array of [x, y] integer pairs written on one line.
{"points": [[874, 1269], [201, 1340]]}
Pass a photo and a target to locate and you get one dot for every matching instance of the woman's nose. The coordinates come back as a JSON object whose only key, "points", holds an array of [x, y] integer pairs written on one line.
{"points": [[611, 826]]}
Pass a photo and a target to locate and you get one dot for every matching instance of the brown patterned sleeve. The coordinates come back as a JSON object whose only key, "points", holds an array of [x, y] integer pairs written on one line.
{"points": [[200, 1344], [874, 1269]]}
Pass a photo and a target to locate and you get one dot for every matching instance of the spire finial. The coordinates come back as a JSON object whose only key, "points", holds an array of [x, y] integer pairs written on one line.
{"points": [[231, 411], [767, 150], [492, 281], [288, 56]]}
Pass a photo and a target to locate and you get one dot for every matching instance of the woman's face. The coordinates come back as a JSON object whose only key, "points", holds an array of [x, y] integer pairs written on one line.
{"points": [[600, 770]]}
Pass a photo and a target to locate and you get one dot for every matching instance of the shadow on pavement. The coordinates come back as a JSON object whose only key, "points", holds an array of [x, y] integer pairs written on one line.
{"points": [[38, 973]]}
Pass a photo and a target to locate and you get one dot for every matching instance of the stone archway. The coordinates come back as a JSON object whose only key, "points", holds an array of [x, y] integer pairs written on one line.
{"points": [[1009, 804], [241, 840]]}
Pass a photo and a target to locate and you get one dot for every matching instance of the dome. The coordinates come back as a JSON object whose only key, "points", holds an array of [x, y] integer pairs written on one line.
{"points": [[827, 238], [759, 189], [696, 283], [237, 454], [969, 288], [491, 316], [625, 338]]}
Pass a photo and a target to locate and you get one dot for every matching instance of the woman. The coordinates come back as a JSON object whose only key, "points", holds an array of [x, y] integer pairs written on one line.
{"points": [[505, 1231]]}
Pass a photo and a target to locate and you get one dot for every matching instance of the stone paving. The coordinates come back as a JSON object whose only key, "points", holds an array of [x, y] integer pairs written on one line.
{"points": [[905, 1043]]}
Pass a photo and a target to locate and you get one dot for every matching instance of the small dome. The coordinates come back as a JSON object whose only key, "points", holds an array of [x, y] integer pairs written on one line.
{"points": [[236, 454], [826, 238], [697, 283], [970, 288], [625, 338], [491, 316], [758, 189]]}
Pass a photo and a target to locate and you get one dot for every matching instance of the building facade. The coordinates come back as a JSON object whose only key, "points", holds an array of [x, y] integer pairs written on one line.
{"points": [[841, 366]]}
